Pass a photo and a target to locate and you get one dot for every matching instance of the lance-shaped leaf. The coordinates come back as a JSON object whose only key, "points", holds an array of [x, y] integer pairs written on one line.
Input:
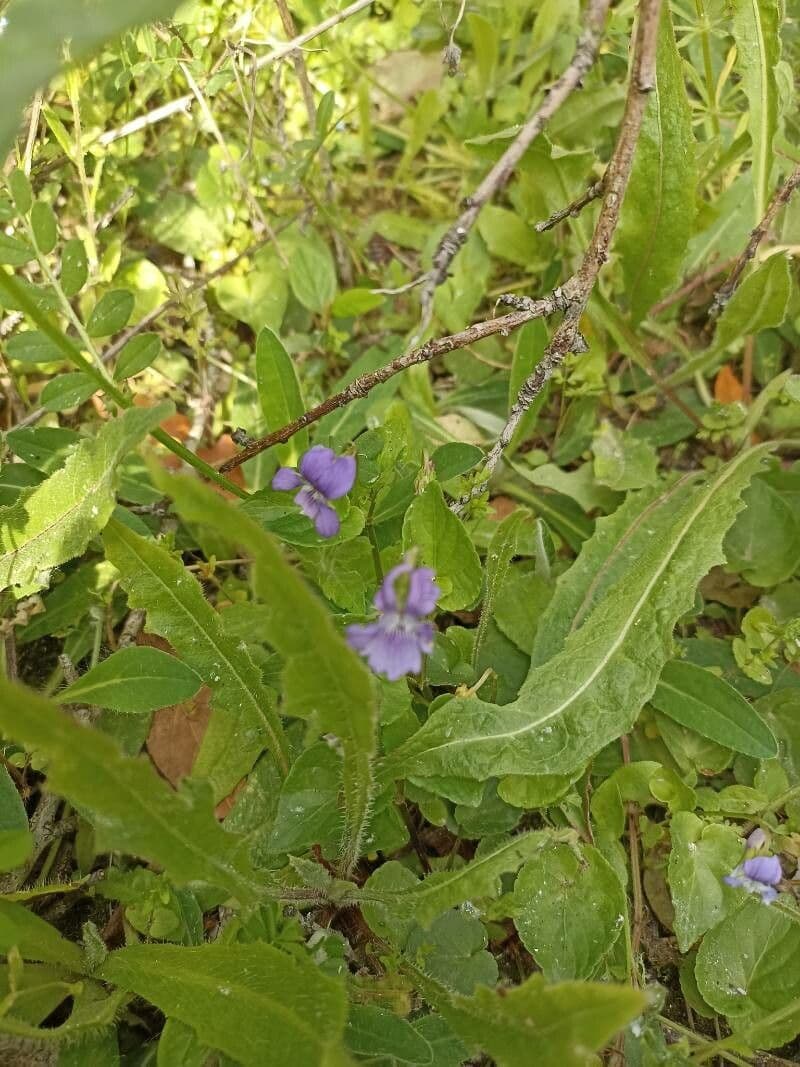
{"points": [[502, 549], [54, 521], [257, 1004], [658, 212], [756, 30], [34, 938], [592, 690], [550, 1025], [131, 808], [324, 679], [279, 392], [134, 679], [177, 610]]}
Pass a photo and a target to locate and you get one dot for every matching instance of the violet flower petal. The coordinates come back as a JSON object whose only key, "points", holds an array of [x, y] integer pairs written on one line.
{"points": [[331, 475], [327, 521], [386, 597], [391, 650], [286, 478], [423, 592], [757, 839], [764, 869]]}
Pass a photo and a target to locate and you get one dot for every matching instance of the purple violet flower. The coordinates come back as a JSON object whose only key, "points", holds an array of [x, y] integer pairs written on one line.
{"points": [[757, 875], [756, 840], [394, 644], [323, 477]]}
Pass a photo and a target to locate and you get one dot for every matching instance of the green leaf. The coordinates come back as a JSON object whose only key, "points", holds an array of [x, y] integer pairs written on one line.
{"points": [[67, 391], [701, 855], [31, 45], [747, 968], [444, 545], [259, 296], [15, 838], [502, 549], [255, 1003], [323, 677], [571, 929], [14, 253], [279, 392], [375, 1032], [592, 690], [45, 227], [135, 679], [658, 212], [707, 704], [455, 458], [111, 313], [531, 342], [312, 273], [21, 191], [54, 521], [33, 346], [138, 354], [177, 610], [355, 302], [74, 267], [453, 950], [621, 461], [759, 303], [763, 545], [563, 1023], [132, 808], [756, 31], [509, 237], [35, 938]]}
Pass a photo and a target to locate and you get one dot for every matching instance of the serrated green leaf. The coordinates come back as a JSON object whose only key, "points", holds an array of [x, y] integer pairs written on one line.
{"points": [[590, 692], [279, 392], [707, 704], [111, 313], [658, 212], [756, 31], [621, 461], [759, 303], [35, 938], [131, 807], [324, 678], [569, 930], [701, 855], [54, 521], [453, 950], [444, 545], [135, 679], [257, 1004], [177, 610]]}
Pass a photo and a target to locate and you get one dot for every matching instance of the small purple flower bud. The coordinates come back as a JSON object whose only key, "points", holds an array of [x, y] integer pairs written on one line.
{"points": [[395, 642], [756, 840], [323, 477]]}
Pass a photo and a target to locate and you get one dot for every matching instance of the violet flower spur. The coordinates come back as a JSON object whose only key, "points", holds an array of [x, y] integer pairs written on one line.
{"points": [[759, 874], [394, 644], [323, 476]]}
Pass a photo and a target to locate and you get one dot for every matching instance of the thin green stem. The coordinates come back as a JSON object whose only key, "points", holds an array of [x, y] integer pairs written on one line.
{"points": [[708, 65], [21, 299], [679, 1028]]}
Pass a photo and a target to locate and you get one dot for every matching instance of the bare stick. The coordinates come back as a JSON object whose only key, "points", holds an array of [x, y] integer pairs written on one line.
{"points": [[501, 172], [363, 385], [183, 103], [572, 210], [781, 197], [577, 290]]}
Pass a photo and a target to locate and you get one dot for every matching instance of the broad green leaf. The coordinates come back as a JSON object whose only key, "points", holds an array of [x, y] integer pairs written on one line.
{"points": [[312, 273], [701, 855], [132, 808], [263, 1007], [590, 692], [33, 346], [257, 297], [45, 227], [74, 267], [323, 679], [111, 313], [140, 352], [279, 392], [763, 545], [20, 186], [376, 1032], [455, 458], [453, 950], [135, 679], [531, 342], [560, 1024], [749, 966], [622, 461], [756, 31], [355, 302], [759, 303], [15, 837], [67, 391], [569, 909], [509, 237], [707, 704], [444, 545], [177, 610], [54, 521], [502, 549], [31, 48], [35, 938], [13, 252], [658, 211]]}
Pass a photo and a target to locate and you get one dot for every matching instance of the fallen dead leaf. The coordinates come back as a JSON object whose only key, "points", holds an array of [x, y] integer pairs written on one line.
{"points": [[727, 387]]}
